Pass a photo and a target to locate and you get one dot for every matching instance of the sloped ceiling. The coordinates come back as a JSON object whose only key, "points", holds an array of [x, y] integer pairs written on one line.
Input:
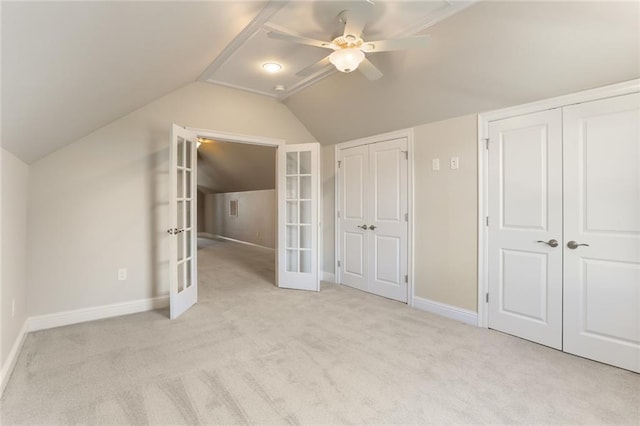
{"points": [[490, 55], [235, 167], [69, 68]]}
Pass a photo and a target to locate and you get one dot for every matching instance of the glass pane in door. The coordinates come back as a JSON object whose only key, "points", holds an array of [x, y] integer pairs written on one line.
{"points": [[305, 163], [292, 187], [292, 163]]}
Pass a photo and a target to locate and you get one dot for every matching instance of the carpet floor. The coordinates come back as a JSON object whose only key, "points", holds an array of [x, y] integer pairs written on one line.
{"points": [[250, 353]]}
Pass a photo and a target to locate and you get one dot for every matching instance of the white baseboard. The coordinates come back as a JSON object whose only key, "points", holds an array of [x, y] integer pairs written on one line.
{"points": [[328, 276], [449, 311], [43, 322], [222, 237], [8, 366]]}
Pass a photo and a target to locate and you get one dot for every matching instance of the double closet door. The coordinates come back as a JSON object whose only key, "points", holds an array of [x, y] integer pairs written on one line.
{"points": [[373, 218], [564, 229]]}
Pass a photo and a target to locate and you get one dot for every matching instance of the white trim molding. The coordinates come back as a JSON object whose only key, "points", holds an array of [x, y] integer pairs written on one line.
{"points": [[10, 363], [43, 322], [619, 89], [222, 237], [453, 312], [236, 137]]}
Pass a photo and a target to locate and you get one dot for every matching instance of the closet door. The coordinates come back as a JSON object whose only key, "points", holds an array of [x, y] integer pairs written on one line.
{"points": [[388, 215], [602, 217], [525, 227], [373, 217], [354, 189]]}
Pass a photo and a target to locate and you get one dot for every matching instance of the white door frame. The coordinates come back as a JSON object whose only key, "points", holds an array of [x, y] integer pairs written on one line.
{"points": [[624, 88], [238, 138], [404, 133]]}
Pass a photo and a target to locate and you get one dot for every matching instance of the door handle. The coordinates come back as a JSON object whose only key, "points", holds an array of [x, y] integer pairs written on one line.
{"points": [[363, 227], [174, 231], [573, 245], [550, 243], [372, 227]]}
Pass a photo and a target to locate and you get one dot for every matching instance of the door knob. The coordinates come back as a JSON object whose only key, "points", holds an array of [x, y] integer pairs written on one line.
{"points": [[372, 227], [550, 243], [363, 227], [573, 245]]}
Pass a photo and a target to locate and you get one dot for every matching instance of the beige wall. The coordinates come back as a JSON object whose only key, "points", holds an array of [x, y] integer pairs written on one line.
{"points": [[101, 203], [14, 184], [256, 220], [200, 215], [445, 211], [328, 208]]}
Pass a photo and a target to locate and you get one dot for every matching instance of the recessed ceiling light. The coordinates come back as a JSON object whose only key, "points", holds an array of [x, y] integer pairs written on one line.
{"points": [[271, 67]]}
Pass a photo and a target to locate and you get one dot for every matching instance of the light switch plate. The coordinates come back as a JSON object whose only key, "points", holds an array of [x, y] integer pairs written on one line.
{"points": [[454, 162]]}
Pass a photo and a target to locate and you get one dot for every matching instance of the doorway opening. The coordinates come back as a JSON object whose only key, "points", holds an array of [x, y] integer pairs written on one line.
{"points": [[236, 212], [298, 204]]}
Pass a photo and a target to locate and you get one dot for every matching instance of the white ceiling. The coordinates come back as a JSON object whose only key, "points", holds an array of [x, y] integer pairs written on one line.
{"points": [[489, 56], [69, 68], [240, 65]]}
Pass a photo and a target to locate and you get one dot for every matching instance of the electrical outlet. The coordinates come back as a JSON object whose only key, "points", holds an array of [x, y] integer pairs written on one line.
{"points": [[435, 164], [454, 162], [122, 274], [13, 307]]}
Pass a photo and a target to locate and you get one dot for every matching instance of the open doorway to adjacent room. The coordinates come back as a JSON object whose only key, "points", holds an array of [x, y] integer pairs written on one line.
{"points": [[237, 214]]}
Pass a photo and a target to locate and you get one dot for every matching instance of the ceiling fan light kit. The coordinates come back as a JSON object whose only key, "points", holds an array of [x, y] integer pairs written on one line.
{"points": [[347, 60], [349, 49]]}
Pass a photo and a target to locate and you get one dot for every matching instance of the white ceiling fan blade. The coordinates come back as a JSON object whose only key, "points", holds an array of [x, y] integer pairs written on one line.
{"points": [[369, 70], [357, 16], [300, 40], [314, 68], [396, 44]]}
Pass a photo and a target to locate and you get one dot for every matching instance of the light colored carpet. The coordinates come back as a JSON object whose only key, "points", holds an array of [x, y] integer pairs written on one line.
{"points": [[251, 353]]}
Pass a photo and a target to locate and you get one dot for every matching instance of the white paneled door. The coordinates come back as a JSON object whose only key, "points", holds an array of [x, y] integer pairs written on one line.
{"points": [[354, 248], [183, 278], [298, 219], [374, 218], [525, 232], [602, 230], [388, 217], [564, 229]]}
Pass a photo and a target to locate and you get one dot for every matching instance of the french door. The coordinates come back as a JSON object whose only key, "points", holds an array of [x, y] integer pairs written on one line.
{"points": [[373, 209], [183, 268], [298, 185], [564, 229], [298, 189]]}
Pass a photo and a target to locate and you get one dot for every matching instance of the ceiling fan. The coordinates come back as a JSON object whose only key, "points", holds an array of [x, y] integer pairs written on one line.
{"points": [[349, 49]]}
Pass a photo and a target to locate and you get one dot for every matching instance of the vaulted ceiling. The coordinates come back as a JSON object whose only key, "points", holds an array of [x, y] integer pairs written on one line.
{"points": [[69, 68], [235, 167]]}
